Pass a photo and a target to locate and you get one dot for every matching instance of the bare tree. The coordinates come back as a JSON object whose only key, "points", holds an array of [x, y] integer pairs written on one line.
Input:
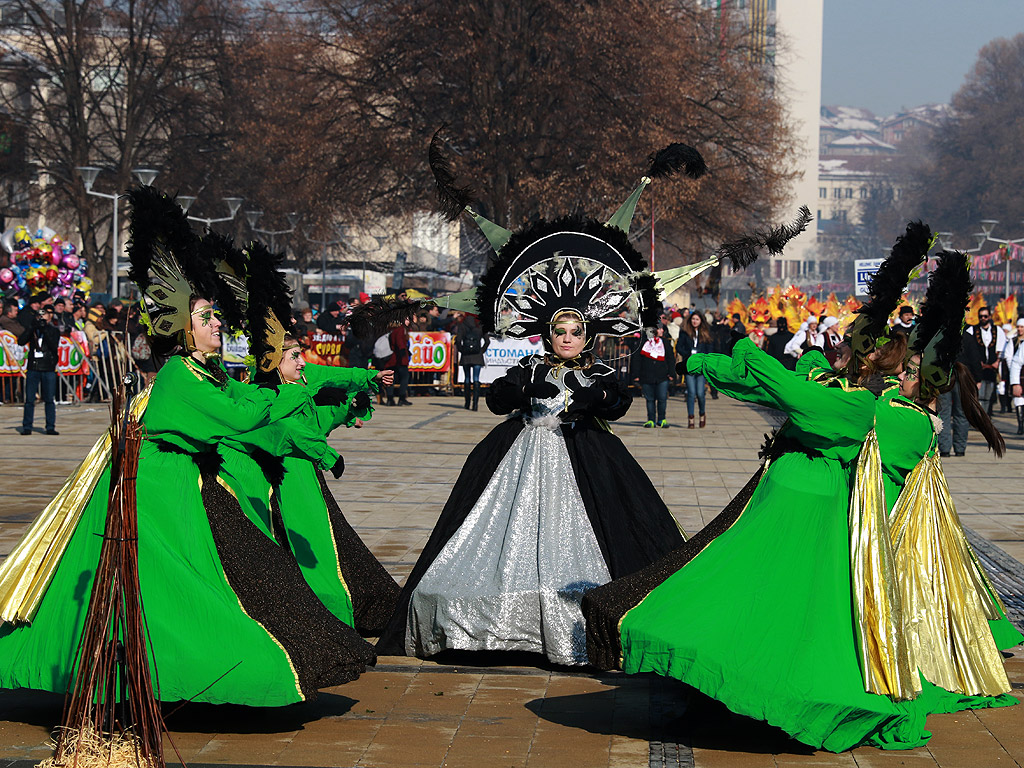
{"points": [[118, 84], [552, 107], [973, 162]]}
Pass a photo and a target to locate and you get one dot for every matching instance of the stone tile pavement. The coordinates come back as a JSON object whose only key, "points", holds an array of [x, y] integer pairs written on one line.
{"points": [[502, 710]]}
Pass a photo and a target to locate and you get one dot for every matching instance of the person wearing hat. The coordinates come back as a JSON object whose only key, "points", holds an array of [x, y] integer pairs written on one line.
{"points": [[905, 323], [42, 338], [331, 321]]}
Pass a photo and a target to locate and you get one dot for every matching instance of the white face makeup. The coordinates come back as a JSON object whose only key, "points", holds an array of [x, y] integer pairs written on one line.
{"points": [[205, 327], [568, 339], [292, 363]]}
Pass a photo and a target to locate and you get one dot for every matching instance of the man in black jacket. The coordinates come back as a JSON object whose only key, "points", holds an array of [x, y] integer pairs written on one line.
{"points": [[43, 339], [776, 344]]}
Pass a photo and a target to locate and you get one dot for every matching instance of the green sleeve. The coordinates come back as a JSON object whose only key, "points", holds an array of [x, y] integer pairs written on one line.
{"points": [[812, 362], [295, 436], [832, 413], [728, 378], [350, 379]]}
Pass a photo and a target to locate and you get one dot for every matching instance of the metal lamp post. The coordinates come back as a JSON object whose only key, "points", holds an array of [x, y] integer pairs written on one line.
{"points": [[233, 204], [146, 177], [252, 217]]}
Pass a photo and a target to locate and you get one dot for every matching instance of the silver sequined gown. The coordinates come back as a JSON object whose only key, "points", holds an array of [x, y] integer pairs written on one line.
{"points": [[512, 576]]}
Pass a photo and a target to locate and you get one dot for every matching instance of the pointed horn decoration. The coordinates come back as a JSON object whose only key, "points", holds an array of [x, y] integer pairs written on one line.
{"points": [[743, 252], [452, 198], [676, 157]]}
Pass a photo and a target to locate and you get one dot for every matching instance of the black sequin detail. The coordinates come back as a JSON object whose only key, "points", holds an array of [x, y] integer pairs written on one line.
{"points": [[373, 591], [268, 582], [604, 607]]}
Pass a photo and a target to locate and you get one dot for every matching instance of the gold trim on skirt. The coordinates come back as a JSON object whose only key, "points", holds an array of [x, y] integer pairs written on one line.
{"points": [[27, 572], [886, 656], [946, 595]]}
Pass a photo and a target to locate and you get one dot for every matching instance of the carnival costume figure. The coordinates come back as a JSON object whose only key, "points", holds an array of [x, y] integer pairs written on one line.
{"points": [[295, 500], [550, 503], [229, 616], [954, 618], [802, 627]]}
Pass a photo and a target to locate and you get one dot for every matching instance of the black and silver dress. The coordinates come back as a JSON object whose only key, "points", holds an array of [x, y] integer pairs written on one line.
{"points": [[549, 505]]}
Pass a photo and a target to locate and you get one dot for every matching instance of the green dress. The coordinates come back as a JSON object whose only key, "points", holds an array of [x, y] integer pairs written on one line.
{"points": [[336, 564], [761, 619], [229, 620]]}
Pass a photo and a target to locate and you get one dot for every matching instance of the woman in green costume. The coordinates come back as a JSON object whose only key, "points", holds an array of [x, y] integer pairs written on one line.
{"points": [[954, 618], [336, 563], [229, 617], [774, 638]]}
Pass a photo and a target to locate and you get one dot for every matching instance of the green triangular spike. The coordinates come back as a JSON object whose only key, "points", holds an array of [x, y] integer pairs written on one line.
{"points": [[496, 236], [624, 215], [463, 301]]}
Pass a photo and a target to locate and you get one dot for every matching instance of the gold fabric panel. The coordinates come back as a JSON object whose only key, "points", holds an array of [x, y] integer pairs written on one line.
{"points": [[885, 654], [28, 570], [946, 595]]}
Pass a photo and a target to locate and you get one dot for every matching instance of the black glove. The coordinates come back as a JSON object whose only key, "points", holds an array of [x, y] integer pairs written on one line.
{"points": [[339, 468], [360, 402], [584, 398], [329, 396], [538, 386]]}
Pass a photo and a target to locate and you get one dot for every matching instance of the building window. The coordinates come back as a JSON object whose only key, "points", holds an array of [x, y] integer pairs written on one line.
{"points": [[822, 192], [863, 193], [849, 192], [837, 193]]}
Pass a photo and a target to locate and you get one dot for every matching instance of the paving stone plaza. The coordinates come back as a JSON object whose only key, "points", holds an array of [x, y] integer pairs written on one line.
{"points": [[500, 711]]}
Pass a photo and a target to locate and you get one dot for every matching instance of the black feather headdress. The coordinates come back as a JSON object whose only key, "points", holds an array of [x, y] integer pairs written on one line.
{"points": [[168, 264], [744, 251], [268, 313], [938, 335], [886, 287]]}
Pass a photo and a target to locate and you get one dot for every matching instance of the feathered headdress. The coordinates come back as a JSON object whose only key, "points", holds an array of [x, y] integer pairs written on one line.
{"points": [[268, 314], [581, 264], [886, 287], [938, 335], [169, 263]]}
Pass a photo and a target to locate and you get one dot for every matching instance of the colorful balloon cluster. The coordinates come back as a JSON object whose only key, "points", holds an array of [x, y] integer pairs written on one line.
{"points": [[43, 263]]}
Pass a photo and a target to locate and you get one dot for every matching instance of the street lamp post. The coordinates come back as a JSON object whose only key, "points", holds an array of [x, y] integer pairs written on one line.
{"points": [[253, 216], [146, 177], [342, 231], [987, 225], [233, 204]]}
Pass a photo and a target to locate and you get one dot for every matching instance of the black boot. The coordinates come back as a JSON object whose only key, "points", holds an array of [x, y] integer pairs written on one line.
{"points": [[1020, 419], [476, 394], [467, 389]]}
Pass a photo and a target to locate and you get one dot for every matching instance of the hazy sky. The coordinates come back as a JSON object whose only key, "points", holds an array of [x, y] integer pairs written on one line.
{"points": [[888, 54]]}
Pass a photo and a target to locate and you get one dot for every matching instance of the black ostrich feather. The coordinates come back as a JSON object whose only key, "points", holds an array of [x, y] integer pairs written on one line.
{"points": [[268, 292], [944, 307], [375, 317], [676, 157], [745, 250], [452, 199], [490, 282], [156, 224], [230, 290], [887, 284]]}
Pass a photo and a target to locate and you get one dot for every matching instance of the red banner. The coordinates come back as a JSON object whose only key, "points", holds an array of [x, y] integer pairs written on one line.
{"points": [[324, 349]]}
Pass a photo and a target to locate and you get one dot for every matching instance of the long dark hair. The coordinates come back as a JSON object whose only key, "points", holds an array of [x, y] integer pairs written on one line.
{"points": [[703, 334], [973, 410]]}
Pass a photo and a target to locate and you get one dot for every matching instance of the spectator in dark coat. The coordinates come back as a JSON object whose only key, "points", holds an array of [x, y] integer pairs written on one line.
{"points": [[43, 340], [696, 338], [654, 367], [776, 344], [471, 342], [331, 321]]}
